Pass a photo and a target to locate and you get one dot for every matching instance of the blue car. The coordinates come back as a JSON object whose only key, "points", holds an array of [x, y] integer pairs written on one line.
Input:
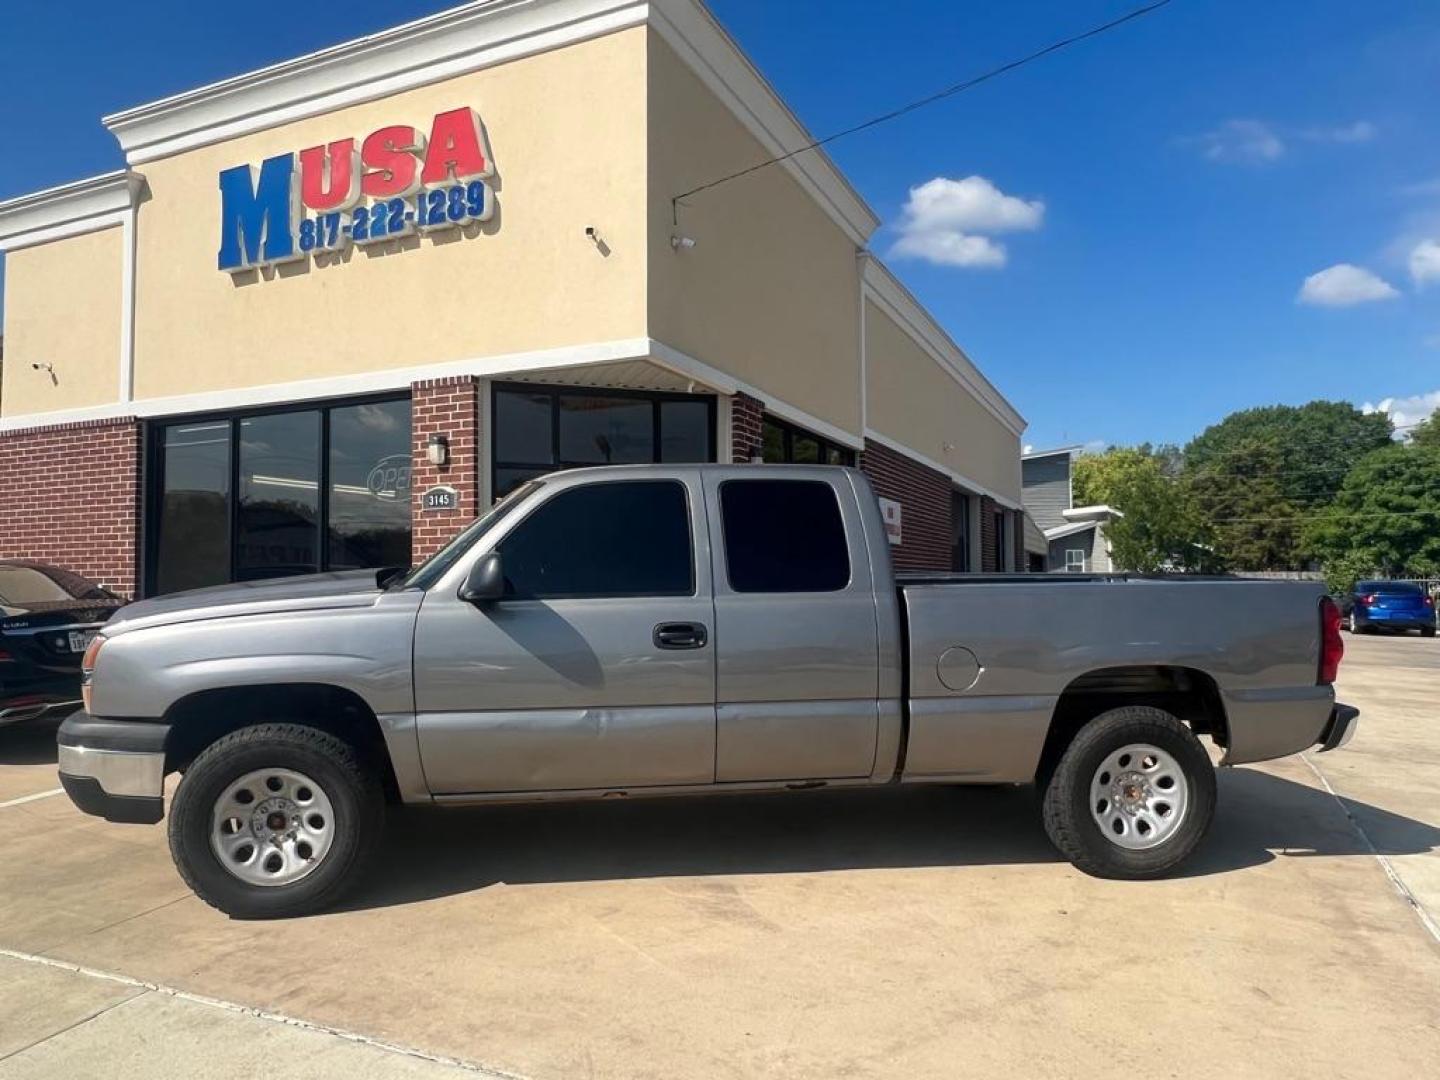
{"points": [[1389, 605]]}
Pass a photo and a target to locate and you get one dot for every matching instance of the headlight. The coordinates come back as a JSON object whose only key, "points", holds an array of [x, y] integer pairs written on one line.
{"points": [[87, 668]]}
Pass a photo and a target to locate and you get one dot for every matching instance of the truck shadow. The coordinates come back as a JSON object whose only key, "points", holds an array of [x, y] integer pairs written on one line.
{"points": [[430, 853], [30, 743]]}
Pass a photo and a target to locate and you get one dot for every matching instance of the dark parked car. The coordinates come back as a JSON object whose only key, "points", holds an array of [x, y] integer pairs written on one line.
{"points": [[1389, 605], [47, 618]]}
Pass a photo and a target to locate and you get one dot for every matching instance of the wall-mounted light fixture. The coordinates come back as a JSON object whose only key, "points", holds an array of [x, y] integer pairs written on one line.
{"points": [[682, 243], [437, 449]]}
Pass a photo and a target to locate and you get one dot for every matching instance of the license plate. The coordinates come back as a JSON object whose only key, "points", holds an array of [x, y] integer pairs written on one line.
{"points": [[80, 639]]}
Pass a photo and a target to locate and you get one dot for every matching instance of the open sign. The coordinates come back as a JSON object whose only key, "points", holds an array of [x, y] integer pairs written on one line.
{"points": [[390, 478]]}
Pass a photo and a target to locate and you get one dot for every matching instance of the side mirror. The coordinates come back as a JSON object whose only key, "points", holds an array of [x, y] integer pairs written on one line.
{"points": [[486, 580]]}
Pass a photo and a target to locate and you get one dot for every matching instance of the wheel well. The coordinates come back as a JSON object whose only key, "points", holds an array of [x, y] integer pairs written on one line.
{"points": [[202, 718], [1186, 693]]}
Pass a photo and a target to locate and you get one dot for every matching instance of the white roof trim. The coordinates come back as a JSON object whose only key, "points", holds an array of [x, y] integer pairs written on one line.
{"points": [[468, 38], [695, 34], [1068, 451], [368, 382], [1091, 513], [899, 303], [1060, 531], [68, 210]]}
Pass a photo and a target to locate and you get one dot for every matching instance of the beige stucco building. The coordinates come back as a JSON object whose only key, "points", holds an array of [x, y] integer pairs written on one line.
{"points": [[261, 344]]}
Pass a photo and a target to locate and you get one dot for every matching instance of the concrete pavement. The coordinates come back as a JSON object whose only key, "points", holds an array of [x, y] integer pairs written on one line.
{"points": [[897, 933]]}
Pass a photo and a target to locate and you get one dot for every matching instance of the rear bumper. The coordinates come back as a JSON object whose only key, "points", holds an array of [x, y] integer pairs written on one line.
{"points": [[1340, 729], [114, 769]]}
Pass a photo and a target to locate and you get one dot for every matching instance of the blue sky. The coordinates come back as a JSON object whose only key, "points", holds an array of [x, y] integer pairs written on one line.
{"points": [[1131, 265]]}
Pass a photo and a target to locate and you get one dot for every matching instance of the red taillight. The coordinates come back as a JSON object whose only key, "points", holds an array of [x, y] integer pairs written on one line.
{"points": [[4, 656], [1429, 601], [1332, 645], [1367, 600]]}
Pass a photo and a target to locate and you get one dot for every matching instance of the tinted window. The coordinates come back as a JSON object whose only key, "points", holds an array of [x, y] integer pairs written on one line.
{"points": [[783, 536], [684, 431], [279, 505], [630, 538], [369, 521], [193, 547], [606, 431]]}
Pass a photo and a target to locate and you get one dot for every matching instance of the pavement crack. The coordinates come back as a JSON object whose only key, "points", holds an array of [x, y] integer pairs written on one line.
{"points": [[139, 993], [1426, 919]]}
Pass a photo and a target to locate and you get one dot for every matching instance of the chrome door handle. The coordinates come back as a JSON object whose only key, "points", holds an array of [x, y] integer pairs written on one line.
{"points": [[681, 635]]}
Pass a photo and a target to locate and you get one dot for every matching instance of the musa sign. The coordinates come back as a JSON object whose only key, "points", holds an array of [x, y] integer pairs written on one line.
{"points": [[395, 181]]}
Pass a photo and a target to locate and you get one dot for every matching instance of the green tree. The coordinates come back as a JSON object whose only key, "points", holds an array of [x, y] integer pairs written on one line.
{"points": [[1255, 523], [1427, 432], [1260, 473], [1161, 528], [1386, 518]]}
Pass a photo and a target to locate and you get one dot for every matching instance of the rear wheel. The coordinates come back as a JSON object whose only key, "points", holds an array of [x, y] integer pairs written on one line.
{"points": [[1132, 796], [1427, 631], [275, 820]]}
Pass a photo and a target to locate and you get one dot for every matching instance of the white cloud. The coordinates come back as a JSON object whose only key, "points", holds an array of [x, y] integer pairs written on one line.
{"points": [[1255, 142], [1241, 142], [1405, 412], [1344, 285], [1425, 261], [1361, 131], [950, 222]]}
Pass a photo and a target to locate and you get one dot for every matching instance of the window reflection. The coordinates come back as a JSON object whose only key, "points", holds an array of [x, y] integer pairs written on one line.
{"points": [[193, 548], [277, 532], [369, 514]]}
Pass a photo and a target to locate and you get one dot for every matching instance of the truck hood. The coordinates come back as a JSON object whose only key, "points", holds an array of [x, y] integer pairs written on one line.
{"points": [[342, 589]]}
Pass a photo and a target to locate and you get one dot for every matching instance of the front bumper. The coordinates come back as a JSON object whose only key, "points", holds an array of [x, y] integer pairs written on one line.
{"points": [[114, 769], [1340, 728]]}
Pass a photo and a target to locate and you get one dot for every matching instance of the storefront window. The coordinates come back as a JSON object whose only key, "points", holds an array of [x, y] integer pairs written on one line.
{"points": [[786, 444], [369, 519], [539, 430], [254, 496], [606, 430], [278, 529], [959, 531], [193, 545]]}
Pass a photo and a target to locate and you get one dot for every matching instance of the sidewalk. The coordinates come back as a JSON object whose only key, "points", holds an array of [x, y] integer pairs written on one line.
{"points": [[60, 1023]]}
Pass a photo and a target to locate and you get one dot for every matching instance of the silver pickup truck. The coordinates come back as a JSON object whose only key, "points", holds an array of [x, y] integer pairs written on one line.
{"points": [[662, 630]]}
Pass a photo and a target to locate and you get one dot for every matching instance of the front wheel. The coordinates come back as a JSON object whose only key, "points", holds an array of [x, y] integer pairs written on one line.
{"points": [[275, 820], [1132, 796]]}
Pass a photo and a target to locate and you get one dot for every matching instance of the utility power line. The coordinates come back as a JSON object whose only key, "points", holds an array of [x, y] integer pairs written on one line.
{"points": [[905, 110]]}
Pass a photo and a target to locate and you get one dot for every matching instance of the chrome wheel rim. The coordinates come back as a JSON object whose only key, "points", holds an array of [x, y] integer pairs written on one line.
{"points": [[1139, 796], [272, 827]]}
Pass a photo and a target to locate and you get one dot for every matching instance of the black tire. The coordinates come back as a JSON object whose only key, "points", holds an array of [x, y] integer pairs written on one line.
{"points": [[1066, 804], [1427, 631], [355, 795]]}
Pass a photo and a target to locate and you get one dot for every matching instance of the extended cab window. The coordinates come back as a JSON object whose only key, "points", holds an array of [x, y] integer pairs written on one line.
{"points": [[627, 538], [783, 536]]}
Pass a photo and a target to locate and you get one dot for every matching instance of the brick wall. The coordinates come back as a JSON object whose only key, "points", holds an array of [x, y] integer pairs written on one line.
{"points": [[70, 496], [449, 407], [924, 498], [747, 426], [1017, 530]]}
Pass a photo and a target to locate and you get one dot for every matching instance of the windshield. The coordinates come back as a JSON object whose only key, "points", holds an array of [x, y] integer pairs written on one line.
{"points": [[435, 567]]}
